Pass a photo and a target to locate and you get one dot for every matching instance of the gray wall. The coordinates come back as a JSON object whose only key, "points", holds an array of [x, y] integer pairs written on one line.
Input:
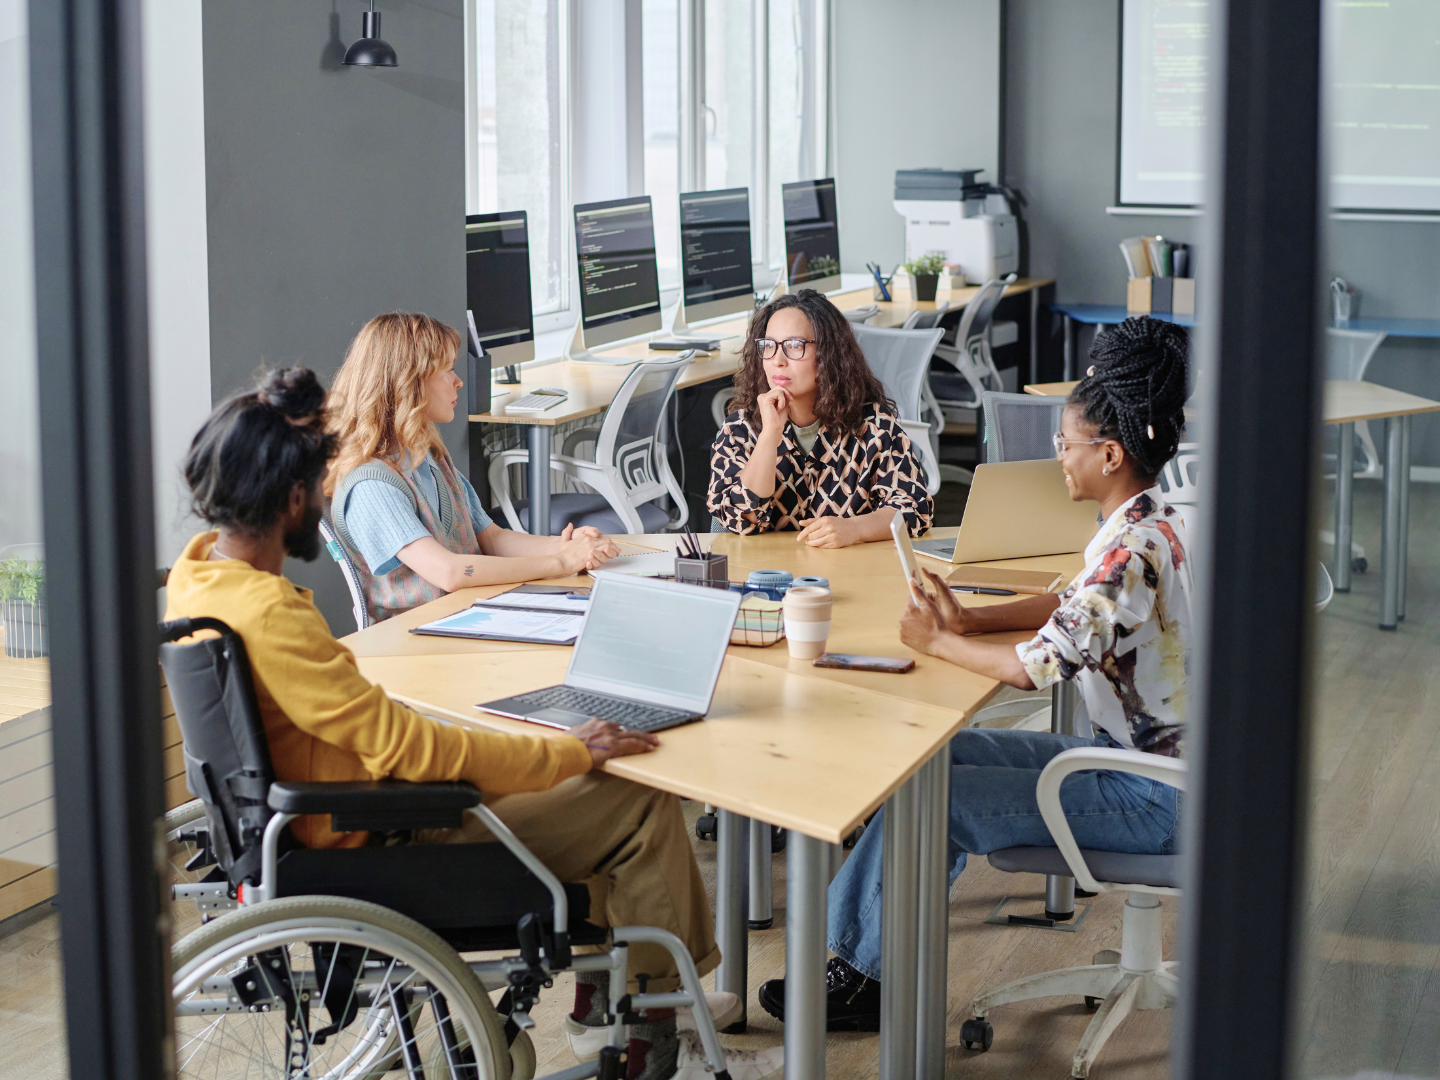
{"points": [[333, 193], [1061, 88], [916, 85]]}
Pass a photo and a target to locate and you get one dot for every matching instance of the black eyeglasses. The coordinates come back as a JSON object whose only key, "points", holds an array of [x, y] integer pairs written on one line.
{"points": [[794, 347]]}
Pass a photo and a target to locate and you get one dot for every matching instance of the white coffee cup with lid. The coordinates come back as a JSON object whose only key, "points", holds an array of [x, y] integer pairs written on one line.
{"points": [[807, 620]]}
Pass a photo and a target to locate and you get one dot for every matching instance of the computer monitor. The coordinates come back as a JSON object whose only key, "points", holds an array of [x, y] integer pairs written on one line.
{"points": [[717, 278], [619, 281], [812, 235], [497, 286]]}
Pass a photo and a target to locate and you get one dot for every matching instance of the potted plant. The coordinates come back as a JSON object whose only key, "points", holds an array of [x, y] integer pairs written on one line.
{"points": [[22, 595], [925, 271]]}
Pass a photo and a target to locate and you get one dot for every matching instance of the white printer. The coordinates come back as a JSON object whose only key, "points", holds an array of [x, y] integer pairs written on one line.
{"points": [[970, 223]]}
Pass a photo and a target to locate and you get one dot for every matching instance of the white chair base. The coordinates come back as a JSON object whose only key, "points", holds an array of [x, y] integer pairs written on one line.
{"points": [[1135, 978]]}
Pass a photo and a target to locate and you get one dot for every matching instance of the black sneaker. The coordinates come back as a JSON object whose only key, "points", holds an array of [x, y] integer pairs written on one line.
{"points": [[852, 1000]]}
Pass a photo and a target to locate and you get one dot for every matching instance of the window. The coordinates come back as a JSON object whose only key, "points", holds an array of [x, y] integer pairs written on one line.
{"points": [[660, 67], [520, 148], [797, 117], [730, 94]]}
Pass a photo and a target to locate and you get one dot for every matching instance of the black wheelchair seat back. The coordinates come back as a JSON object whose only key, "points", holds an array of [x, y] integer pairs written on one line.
{"points": [[227, 759]]}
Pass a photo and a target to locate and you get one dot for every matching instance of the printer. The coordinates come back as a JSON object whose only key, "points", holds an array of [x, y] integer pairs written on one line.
{"points": [[969, 222]]}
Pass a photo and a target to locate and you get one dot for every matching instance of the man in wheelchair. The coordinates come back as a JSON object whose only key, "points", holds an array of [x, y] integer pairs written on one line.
{"points": [[255, 470]]}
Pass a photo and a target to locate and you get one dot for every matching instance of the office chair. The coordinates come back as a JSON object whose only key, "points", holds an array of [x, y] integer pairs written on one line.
{"points": [[627, 464], [348, 571], [1019, 427], [1119, 981], [901, 360], [959, 390], [371, 935]]}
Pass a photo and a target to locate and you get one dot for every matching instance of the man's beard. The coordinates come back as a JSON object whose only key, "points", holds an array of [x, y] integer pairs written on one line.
{"points": [[304, 542]]}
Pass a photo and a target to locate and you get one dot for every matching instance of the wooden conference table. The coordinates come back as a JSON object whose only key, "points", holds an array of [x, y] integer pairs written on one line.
{"points": [[1345, 404], [592, 386], [815, 750]]}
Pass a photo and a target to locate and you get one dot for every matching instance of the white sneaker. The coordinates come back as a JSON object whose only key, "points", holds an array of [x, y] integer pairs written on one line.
{"points": [[741, 1064], [586, 1042]]}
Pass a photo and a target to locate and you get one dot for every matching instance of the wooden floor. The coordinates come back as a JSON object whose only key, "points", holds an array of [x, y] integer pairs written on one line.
{"points": [[1370, 985]]}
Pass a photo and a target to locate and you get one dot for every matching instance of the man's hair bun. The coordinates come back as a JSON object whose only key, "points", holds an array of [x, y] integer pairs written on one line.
{"points": [[295, 391]]}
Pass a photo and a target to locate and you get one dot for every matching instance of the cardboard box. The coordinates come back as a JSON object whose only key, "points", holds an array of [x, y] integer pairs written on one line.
{"points": [[1160, 296]]}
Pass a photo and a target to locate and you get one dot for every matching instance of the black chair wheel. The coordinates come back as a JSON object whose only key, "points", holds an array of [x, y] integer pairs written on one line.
{"points": [[777, 839], [977, 1035], [706, 828], [854, 838], [1359, 565], [1092, 1002]]}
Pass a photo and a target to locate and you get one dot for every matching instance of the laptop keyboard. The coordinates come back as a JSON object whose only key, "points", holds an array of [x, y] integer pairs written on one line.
{"points": [[634, 715]]}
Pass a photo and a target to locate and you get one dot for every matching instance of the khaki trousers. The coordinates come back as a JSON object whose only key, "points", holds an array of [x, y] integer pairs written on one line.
{"points": [[628, 844]]}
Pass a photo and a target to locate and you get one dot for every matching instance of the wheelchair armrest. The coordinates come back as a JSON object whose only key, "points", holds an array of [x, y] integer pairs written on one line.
{"points": [[362, 805]]}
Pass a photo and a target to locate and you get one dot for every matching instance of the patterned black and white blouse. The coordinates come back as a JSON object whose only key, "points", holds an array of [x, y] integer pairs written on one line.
{"points": [[842, 476]]}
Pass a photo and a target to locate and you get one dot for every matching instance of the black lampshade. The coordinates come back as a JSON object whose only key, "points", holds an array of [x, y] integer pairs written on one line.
{"points": [[371, 50]]}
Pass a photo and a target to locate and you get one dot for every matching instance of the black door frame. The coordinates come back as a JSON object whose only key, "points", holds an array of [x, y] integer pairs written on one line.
{"points": [[1246, 816], [94, 381]]}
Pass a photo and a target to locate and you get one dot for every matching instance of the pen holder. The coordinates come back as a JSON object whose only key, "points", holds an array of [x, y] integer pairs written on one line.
{"points": [[711, 571]]}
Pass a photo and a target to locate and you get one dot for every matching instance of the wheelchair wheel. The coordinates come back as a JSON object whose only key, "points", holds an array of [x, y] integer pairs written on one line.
{"points": [[522, 1060], [329, 988]]}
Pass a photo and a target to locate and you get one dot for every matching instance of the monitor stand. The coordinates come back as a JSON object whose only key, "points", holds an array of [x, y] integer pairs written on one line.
{"points": [[681, 330], [509, 375], [575, 350]]}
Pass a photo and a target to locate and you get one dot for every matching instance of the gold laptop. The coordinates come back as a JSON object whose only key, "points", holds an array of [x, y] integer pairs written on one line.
{"points": [[1017, 509]]}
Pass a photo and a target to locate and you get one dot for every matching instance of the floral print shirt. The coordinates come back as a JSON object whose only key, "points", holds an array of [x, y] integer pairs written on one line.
{"points": [[1123, 628], [840, 476]]}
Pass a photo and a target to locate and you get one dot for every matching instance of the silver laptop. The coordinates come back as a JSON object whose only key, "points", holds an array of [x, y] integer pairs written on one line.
{"points": [[1017, 509], [648, 657]]}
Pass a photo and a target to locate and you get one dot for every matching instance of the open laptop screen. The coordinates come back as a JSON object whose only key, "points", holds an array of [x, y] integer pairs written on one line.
{"points": [[653, 641]]}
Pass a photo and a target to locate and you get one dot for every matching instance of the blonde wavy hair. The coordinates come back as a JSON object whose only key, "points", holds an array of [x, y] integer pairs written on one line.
{"points": [[377, 403]]}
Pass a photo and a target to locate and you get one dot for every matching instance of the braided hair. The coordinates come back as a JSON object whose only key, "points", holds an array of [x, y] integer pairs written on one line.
{"points": [[1135, 390]]}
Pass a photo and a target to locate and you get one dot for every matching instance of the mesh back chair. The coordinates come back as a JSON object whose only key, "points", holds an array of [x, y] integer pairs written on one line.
{"points": [[959, 390], [627, 465], [371, 934], [1018, 427], [1120, 981], [348, 572], [926, 320], [901, 360]]}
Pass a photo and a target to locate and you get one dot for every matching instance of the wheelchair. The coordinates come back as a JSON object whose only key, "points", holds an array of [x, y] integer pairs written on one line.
{"points": [[344, 963]]}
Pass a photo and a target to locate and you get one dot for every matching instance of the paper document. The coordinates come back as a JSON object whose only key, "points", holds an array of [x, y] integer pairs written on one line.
{"points": [[649, 564], [554, 603], [500, 624]]}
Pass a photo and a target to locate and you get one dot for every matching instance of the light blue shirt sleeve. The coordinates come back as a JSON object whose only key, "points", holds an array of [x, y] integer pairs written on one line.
{"points": [[381, 522]]}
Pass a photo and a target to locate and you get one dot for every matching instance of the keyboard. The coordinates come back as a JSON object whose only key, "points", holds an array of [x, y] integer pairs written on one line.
{"points": [[537, 402], [635, 715]]}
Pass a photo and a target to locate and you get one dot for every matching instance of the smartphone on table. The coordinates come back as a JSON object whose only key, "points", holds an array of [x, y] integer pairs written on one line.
{"points": [[895, 665]]}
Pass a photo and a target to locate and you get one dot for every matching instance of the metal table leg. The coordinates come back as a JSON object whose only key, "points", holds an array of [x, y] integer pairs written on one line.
{"points": [[1390, 530], [537, 471], [1060, 888], [762, 915], [732, 908], [1404, 563], [1034, 335], [1069, 348], [807, 875], [933, 966], [1344, 504], [898, 940]]}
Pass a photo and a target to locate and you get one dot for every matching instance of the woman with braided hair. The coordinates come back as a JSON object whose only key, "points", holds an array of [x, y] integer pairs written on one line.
{"points": [[1121, 630]]}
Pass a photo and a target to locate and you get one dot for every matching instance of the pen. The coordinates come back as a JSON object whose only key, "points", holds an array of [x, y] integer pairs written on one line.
{"points": [[982, 592]]}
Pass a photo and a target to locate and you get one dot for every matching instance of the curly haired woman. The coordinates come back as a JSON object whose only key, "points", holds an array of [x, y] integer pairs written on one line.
{"points": [[813, 444], [409, 521]]}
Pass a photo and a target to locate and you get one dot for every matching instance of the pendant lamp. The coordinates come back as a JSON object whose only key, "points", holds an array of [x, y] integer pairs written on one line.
{"points": [[371, 50]]}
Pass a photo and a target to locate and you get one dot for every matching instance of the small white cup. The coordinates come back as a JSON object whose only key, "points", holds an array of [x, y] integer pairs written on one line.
{"points": [[807, 621]]}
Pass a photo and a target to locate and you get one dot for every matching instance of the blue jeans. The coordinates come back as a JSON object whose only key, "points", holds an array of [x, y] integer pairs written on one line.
{"points": [[992, 806]]}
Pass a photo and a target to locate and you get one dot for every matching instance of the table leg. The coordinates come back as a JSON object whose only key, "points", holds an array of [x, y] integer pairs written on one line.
{"points": [[898, 939], [1034, 335], [807, 875], [1390, 529], [1060, 888], [732, 907], [934, 886], [762, 914], [1344, 504], [538, 472], [1404, 563], [1069, 348]]}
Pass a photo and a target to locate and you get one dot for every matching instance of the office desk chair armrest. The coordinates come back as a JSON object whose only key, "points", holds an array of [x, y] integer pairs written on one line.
{"points": [[363, 805], [1165, 770]]}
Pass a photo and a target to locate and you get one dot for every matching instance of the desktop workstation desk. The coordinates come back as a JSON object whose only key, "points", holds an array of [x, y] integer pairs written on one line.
{"points": [[814, 750], [1345, 404], [592, 386]]}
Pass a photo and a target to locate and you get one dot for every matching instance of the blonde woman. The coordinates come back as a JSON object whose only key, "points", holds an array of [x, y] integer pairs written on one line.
{"points": [[409, 521]]}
